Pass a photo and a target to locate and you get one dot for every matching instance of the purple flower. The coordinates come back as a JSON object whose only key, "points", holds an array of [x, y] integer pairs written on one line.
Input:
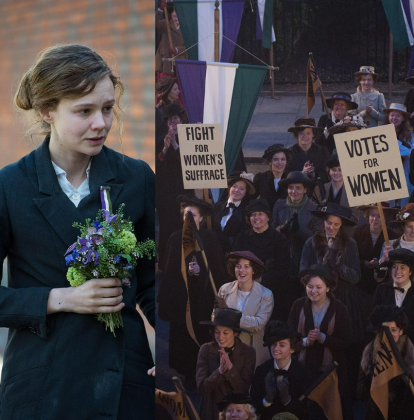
{"points": [[110, 218], [126, 282], [93, 256], [97, 239], [69, 259], [71, 248], [97, 225], [86, 245]]}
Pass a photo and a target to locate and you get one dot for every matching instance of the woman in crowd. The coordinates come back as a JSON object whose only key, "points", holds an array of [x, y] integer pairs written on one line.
{"points": [[236, 406], [269, 246], [54, 336], [229, 217], [323, 321], [398, 290], [248, 296], [340, 103], [224, 365], [267, 183], [175, 290], [397, 114], [167, 93], [279, 382], [371, 103], [293, 218], [307, 156], [400, 397]]}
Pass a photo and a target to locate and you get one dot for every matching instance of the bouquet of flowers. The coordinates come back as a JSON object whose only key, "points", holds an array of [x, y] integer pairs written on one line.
{"points": [[106, 247]]}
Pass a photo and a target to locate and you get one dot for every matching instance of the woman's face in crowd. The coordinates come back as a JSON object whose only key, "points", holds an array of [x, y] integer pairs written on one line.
{"points": [[400, 274], [316, 289], [281, 350], [174, 93], [224, 336], [81, 125], [172, 123], [395, 118], [336, 174], [332, 225], [259, 221], [395, 331], [296, 192], [409, 231], [195, 211], [339, 109], [278, 162], [236, 412], [305, 138], [374, 219], [244, 271], [367, 83], [237, 191]]}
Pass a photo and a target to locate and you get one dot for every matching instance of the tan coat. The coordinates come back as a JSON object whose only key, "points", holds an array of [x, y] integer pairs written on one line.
{"points": [[163, 50], [256, 314]]}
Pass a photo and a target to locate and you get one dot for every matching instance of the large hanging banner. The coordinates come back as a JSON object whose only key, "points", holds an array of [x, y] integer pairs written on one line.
{"points": [[202, 156], [371, 165]]}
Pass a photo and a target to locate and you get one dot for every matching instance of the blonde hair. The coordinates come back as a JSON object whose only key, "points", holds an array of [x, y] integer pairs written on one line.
{"points": [[249, 409]]}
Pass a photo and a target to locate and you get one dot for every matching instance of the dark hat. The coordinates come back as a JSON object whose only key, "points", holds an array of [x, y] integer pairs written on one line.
{"points": [[257, 205], [410, 79], [276, 148], [401, 108], [234, 398], [364, 70], [295, 177], [303, 123], [172, 109], [333, 161], [400, 256], [278, 330], [164, 85], [226, 317], [247, 255], [242, 176], [341, 96], [385, 206], [188, 200], [333, 209], [385, 313], [323, 271], [347, 121], [406, 214]]}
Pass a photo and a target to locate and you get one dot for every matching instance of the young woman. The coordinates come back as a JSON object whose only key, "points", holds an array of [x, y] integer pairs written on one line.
{"points": [[224, 365], [57, 352]]}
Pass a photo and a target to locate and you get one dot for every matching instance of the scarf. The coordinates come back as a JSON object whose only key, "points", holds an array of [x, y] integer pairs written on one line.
{"points": [[296, 207]]}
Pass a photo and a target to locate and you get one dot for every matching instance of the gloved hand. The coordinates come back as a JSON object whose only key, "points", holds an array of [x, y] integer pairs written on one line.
{"points": [[295, 226], [271, 387], [283, 388], [285, 228], [338, 259]]}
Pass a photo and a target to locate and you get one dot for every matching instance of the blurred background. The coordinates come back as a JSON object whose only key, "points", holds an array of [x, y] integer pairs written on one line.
{"points": [[121, 31]]}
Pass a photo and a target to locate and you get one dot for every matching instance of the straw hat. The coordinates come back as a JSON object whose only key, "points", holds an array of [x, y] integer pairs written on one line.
{"points": [[364, 70], [406, 214], [397, 107], [348, 121]]}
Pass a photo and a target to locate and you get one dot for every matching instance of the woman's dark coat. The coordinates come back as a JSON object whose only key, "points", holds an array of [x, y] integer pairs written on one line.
{"points": [[172, 298], [299, 381], [320, 139], [213, 385], [66, 365], [264, 182]]}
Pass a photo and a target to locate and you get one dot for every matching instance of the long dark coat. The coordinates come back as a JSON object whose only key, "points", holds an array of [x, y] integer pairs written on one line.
{"points": [[299, 381], [213, 385], [264, 182], [320, 139], [52, 361], [172, 298]]}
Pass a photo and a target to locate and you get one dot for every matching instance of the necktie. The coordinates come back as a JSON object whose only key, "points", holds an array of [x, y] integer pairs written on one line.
{"points": [[337, 121], [330, 242], [226, 210], [399, 289], [231, 205]]}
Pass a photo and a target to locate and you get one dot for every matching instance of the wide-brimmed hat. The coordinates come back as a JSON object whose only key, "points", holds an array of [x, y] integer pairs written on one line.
{"points": [[399, 256], [242, 176], [385, 313], [364, 70], [172, 109], [295, 177], [164, 85], [303, 123], [348, 121], [278, 330], [258, 205], [234, 398], [401, 108], [341, 96], [276, 148], [188, 200], [333, 209], [385, 206], [406, 214], [321, 270], [410, 79], [247, 255], [226, 317]]}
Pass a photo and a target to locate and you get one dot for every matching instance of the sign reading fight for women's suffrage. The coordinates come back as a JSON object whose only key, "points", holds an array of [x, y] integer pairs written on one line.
{"points": [[371, 165], [202, 156]]}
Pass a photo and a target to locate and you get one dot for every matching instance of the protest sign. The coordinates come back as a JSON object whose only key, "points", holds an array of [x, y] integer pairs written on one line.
{"points": [[202, 156], [371, 165]]}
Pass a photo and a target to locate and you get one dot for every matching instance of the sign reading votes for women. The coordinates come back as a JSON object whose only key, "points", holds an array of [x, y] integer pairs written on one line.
{"points": [[371, 165], [202, 156]]}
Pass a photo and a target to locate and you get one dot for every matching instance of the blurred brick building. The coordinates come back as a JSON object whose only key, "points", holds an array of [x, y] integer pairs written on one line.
{"points": [[122, 31]]}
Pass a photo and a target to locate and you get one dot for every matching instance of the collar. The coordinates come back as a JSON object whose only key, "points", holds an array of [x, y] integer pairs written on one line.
{"points": [[285, 368], [406, 287], [236, 203], [60, 171]]}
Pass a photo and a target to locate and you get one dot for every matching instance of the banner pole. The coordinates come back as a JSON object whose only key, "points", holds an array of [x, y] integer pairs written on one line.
{"points": [[391, 52], [169, 35], [324, 103], [383, 224], [216, 31], [207, 200], [272, 80]]}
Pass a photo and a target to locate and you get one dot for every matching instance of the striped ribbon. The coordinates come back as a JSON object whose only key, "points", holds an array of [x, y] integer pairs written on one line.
{"points": [[106, 199]]}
